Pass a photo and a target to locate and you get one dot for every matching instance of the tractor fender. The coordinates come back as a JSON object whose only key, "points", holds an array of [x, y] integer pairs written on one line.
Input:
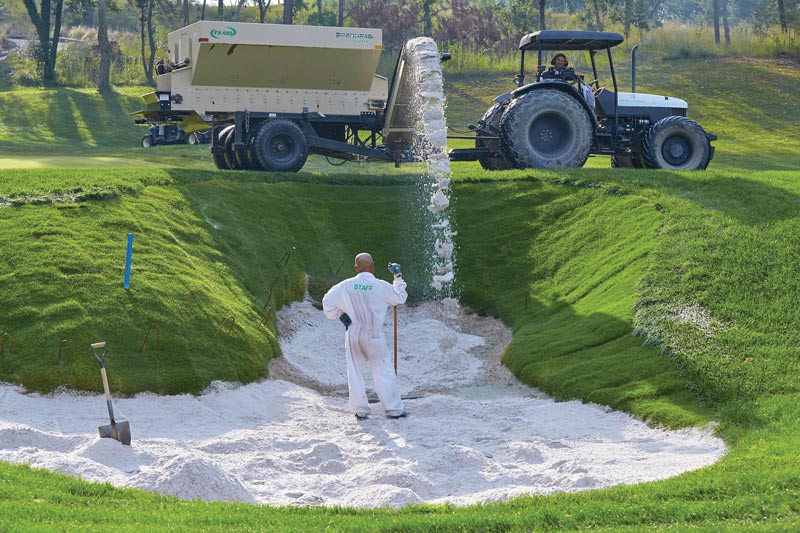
{"points": [[564, 87]]}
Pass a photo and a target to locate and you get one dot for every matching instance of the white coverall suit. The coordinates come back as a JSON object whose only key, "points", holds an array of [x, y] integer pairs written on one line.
{"points": [[365, 299]]}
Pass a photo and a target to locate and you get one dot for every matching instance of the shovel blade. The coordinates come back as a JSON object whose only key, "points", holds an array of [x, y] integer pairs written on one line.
{"points": [[120, 431]]}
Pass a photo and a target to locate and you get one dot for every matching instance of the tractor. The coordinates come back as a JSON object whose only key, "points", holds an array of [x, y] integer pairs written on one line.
{"points": [[554, 123]]}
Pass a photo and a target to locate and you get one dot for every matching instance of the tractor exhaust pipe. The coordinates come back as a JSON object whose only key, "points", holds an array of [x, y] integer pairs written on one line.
{"points": [[633, 68]]}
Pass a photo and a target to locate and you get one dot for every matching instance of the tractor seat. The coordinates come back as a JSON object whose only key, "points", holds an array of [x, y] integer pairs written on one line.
{"points": [[603, 102]]}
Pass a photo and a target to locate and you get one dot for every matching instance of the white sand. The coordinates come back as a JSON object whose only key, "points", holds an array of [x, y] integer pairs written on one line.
{"points": [[477, 435]]}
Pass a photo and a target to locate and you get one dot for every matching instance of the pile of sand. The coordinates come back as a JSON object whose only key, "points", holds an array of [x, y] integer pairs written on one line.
{"points": [[476, 435]]}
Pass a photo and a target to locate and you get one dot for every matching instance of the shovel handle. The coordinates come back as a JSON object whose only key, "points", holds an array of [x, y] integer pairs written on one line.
{"points": [[108, 393], [97, 346]]}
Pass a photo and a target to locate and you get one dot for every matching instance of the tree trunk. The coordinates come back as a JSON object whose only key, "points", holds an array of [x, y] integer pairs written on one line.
{"points": [[541, 14], [427, 20], [319, 12], [340, 17], [185, 12], [597, 15], [716, 21], [152, 38], [146, 33], [262, 10], [288, 7], [103, 74], [628, 17], [220, 9], [203, 11], [725, 25], [50, 66], [782, 15], [49, 45], [238, 9]]}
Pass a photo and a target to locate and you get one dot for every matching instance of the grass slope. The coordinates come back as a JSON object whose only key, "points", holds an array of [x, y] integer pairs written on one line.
{"points": [[573, 339], [702, 267], [203, 251]]}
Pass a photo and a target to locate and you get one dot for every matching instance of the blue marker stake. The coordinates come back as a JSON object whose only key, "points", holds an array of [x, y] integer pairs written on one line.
{"points": [[128, 259]]}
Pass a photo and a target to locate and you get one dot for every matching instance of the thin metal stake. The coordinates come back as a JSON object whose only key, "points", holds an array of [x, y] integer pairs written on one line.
{"points": [[286, 256], [230, 328], [266, 317], [61, 345], [158, 337], [3, 338]]}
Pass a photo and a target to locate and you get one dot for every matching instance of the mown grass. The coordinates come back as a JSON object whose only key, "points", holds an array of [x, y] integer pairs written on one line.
{"points": [[648, 290], [582, 251], [203, 251]]}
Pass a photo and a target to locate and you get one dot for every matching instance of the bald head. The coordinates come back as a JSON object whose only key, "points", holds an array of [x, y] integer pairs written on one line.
{"points": [[364, 263]]}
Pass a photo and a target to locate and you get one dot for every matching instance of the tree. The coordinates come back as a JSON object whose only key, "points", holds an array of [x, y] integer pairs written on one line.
{"points": [[185, 12], [48, 47], [147, 32], [541, 14], [288, 11], [782, 16], [628, 17], [715, 4], [469, 25], [103, 81], [399, 20], [263, 7], [427, 20], [725, 25], [596, 9]]}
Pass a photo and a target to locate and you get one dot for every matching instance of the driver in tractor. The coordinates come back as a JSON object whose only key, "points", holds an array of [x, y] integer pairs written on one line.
{"points": [[559, 70]]}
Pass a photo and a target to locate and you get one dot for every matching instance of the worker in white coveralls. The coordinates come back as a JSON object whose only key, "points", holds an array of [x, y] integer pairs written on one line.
{"points": [[361, 303]]}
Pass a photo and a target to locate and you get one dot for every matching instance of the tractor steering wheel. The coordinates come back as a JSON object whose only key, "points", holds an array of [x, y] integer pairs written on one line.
{"points": [[596, 84], [569, 75]]}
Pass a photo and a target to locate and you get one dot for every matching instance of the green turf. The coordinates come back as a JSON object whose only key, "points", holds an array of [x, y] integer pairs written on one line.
{"points": [[648, 291]]}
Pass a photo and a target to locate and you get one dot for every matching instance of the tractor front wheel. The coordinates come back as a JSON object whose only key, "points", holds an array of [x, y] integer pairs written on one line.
{"points": [[280, 146], [147, 141], [676, 143], [546, 128]]}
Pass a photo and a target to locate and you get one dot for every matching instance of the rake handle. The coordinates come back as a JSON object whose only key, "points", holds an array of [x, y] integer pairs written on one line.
{"points": [[395, 340]]}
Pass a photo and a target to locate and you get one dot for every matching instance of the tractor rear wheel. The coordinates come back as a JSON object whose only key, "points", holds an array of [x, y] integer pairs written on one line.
{"points": [[280, 146], [191, 139], [496, 160], [676, 143], [546, 128]]}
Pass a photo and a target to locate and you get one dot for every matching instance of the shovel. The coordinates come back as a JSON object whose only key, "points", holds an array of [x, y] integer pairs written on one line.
{"points": [[120, 431]]}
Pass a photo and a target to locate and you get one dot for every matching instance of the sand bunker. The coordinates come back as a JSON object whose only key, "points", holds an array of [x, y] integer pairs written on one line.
{"points": [[476, 435]]}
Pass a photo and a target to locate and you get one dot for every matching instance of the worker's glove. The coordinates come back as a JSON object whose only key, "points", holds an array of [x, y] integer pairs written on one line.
{"points": [[345, 319], [394, 269]]}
